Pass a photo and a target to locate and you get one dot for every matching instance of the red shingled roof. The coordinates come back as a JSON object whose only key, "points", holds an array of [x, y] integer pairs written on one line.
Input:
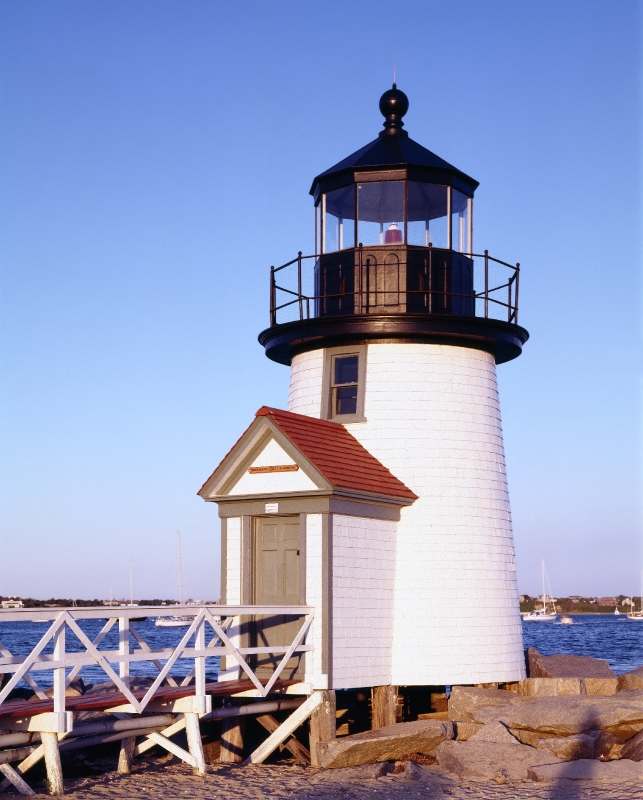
{"points": [[337, 454]]}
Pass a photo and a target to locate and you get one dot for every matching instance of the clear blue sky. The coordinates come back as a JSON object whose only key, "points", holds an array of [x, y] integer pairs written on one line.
{"points": [[156, 159]]}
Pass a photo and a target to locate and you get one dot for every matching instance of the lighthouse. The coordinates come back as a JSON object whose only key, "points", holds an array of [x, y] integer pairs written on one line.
{"points": [[379, 495]]}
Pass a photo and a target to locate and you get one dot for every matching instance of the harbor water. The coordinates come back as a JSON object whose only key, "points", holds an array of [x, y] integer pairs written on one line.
{"points": [[606, 636], [617, 640]]}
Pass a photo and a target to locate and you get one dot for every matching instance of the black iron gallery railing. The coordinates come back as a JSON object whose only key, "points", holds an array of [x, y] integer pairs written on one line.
{"points": [[394, 280]]}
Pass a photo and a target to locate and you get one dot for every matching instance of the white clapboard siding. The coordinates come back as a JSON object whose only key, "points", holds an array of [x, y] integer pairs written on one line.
{"points": [[229, 667], [363, 591], [306, 373], [433, 418], [314, 597]]}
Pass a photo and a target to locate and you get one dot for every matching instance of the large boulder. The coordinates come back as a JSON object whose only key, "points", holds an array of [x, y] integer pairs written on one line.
{"points": [[465, 730], [391, 743], [563, 666], [605, 686], [631, 680], [587, 770], [633, 748], [620, 715], [469, 704], [551, 687], [557, 687], [75, 689], [570, 748], [491, 761], [493, 732]]}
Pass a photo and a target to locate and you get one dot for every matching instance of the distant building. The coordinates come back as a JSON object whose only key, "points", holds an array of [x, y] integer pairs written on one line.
{"points": [[13, 602], [575, 598], [607, 601]]}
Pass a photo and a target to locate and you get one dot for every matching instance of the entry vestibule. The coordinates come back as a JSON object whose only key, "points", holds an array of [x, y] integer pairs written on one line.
{"points": [[328, 544]]}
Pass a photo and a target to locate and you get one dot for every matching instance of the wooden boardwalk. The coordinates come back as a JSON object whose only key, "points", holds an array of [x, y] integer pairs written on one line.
{"points": [[142, 718]]}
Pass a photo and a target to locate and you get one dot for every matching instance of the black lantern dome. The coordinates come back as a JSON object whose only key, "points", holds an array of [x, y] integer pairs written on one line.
{"points": [[394, 257]]}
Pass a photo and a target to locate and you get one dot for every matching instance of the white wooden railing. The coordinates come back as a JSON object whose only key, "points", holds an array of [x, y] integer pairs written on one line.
{"points": [[67, 664]]}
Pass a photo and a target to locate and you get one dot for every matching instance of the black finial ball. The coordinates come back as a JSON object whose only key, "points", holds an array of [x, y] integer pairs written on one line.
{"points": [[394, 104]]}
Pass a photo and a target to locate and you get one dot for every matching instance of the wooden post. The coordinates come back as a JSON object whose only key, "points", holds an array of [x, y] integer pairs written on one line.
{"points": [[322, 724], [52, 762], [232, 730], [13, 777], [294, 745], [195, 744], [126, 755], [384, 701]]}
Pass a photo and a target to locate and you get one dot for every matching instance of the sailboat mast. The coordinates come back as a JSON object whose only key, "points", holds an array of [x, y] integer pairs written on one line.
{"points": [[542, 563], [131, 590], [178, 537]]}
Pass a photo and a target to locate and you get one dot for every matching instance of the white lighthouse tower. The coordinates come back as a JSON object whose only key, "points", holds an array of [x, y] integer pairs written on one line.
{"points": [[392, 331], [403, 350]]}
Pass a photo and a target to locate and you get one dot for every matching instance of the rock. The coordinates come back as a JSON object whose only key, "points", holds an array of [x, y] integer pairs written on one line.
{"points": [[608, 746], [348, 774], [569, 748], [551, 687], [567, 716], [631, 680], [409, 771], [633, 748], [76, 688], [604, 686], [108, 687], [468, 704], [20, 694], [465, 730], [620, 714], [587, 770], [493, 732], [555, 687], [391, 743], [526, 737], [563, 666], [491, 761]]}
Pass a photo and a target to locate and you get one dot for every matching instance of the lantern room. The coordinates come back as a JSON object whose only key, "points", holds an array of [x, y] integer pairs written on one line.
{"points": [[393, 211], [393, 191], [394, 256]]}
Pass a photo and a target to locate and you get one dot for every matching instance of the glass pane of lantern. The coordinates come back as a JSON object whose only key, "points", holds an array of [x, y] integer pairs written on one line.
{"points": [[427, 214], [380, 210], [339, 222], [459, 221]]}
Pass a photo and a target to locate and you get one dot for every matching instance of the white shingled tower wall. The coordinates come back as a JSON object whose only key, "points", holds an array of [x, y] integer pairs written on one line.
{"points": [[433, 418]]}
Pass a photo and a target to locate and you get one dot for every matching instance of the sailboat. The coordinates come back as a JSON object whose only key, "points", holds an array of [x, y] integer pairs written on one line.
{"points": [[542, 614], [176, 621], [637, 616]]}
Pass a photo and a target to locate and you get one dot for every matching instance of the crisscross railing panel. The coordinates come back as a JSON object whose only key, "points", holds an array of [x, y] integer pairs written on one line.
{"points": [[67, 663]]}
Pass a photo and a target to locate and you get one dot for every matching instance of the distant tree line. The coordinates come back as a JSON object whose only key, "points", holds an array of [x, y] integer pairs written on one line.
{"points": [[581, 605], [62, 602]]}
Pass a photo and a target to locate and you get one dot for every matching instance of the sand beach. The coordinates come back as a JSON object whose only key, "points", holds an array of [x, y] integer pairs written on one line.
{"points": [[165, 777]]}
